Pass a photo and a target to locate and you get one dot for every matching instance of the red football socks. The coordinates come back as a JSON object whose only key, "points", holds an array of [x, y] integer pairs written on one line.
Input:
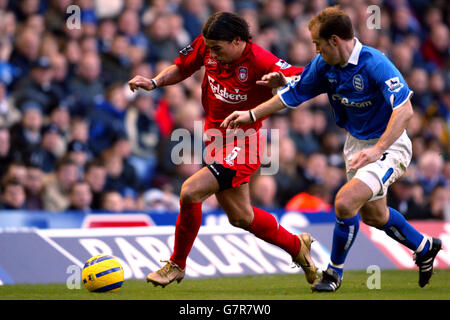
{"points": [[266, 227], [263, 226], [188, 223]]}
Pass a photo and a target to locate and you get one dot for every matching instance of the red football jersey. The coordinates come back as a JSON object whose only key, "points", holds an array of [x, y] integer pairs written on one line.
{"points": [[231, 87]]}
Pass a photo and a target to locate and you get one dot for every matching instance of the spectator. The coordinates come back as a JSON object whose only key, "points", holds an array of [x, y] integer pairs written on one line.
{"points": [[79, 130], [80, 197], [122, 147], [60, 117], [430, 171], [161, 45], [112, 202], [144, 138], [95, 176], [158, 201], [130, 199], [312, 200], [128, 24], [25, 53], [289, 182], [5, 150], [39, 86], [12, 194], [34, 184], [422, 97], [314, 169], [26, 135], [263, 190], [57, 189], [86, 85], [439, 202], [79, 153], [116, 65], [50, 149], [302, 124], [117, 178], [9, 114], [107, 119], [401, 198], [436, 47], [16, 170]]}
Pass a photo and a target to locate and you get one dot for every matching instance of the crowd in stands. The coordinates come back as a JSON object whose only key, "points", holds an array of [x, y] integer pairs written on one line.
{"points": [[74, 137]]}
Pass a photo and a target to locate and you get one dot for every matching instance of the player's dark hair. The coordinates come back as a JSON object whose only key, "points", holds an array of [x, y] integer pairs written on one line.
{"points": [[333, 21], [226, 26]]}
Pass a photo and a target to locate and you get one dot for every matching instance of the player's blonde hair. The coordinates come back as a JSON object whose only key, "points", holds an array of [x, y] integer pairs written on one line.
{"points": [[333, 21]]}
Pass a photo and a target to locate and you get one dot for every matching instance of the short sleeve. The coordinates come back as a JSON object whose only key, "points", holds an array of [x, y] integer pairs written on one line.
{"points": [[191, 57], [284, 67], [391, 82], [304, 87]]}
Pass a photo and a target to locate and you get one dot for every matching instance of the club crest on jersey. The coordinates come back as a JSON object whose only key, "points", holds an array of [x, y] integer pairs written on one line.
{"points": [[243, 74], [358, 82], [394, 84]]}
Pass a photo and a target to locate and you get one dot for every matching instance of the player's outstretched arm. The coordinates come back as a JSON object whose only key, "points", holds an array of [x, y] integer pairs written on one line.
{"points": [[170, 75], [396, 125], [238, 118]]}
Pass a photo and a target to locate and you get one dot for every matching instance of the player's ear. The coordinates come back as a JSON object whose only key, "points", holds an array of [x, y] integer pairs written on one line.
{"points": [[333, 40]]}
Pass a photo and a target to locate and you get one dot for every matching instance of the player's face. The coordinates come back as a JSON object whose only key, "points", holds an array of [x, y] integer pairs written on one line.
{"points": [[326, 48], [223, 51]]}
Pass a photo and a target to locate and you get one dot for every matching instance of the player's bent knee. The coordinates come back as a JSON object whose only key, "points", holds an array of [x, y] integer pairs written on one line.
{"points": [[239, 222], [188, 193], [343, 207], [377, 222]]}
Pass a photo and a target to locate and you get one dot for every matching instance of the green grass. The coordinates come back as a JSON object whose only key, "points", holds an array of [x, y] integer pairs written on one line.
{"points": [[395, 285]]}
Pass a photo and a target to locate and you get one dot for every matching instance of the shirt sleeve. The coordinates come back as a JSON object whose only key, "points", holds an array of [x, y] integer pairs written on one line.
{"points": [[285, 68], [391, 82], [191, 57], [304, 87]]}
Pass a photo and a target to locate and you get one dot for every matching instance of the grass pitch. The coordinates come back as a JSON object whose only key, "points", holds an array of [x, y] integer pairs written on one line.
{"points": [[395, 285]]}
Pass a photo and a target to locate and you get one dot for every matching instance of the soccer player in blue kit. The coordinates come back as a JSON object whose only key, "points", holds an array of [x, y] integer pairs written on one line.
{"points": [[371, 101]]}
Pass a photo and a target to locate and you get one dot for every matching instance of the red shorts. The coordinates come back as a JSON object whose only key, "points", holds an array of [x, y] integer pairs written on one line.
{"points": [[234, 159]]}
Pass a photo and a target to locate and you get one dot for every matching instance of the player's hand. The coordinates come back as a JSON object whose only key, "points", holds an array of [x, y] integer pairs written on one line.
{"points": [[140, 82], [365, 157], [272, 80], [237, 118]]}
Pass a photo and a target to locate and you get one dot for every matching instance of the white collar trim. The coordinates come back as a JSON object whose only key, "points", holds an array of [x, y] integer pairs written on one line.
{"points": [[354, 56]]}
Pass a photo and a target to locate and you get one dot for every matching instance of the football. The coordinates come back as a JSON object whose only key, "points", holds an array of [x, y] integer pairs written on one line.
{"points": [[102, 273]]}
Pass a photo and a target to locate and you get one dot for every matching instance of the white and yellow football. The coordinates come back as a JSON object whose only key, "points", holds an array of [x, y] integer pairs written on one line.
{"points": [[102, 273]]}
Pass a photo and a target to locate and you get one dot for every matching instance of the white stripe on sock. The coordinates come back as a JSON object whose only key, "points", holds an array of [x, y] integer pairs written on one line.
{"points": [[422, 244], [340, 266], [351, 234]]}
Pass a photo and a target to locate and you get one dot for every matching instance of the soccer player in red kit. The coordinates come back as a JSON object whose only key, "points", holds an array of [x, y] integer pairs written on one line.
{"points": [[239, 75]]}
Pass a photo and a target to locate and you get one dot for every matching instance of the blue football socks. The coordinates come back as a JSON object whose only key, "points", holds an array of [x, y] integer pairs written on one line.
{"points": [[344, 234], [400, 230]]}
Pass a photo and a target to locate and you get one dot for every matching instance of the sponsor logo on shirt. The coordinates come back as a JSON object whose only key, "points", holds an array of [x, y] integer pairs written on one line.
{"points": [[225, 94], [348, 103], [394, 84]]}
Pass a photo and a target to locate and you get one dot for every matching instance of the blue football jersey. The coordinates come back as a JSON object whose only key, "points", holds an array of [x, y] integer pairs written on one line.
{"points": [[363, 93]]}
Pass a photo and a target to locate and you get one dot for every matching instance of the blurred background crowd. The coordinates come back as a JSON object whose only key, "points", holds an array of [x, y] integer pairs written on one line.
{"points": [[74, 137]]}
